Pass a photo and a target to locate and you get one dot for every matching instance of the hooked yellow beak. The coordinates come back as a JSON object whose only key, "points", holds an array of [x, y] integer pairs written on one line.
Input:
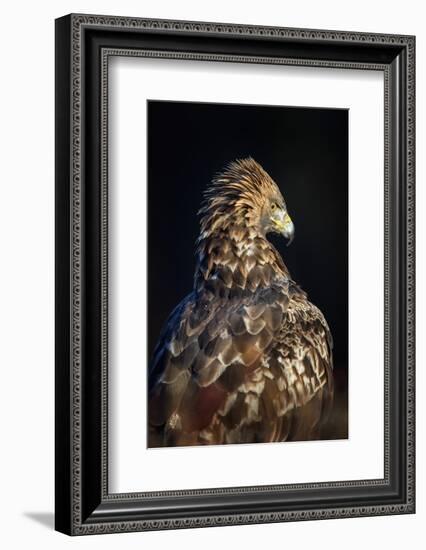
{"points": [[285, 226]]}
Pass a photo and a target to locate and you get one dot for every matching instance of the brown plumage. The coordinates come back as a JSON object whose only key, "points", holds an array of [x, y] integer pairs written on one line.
{"points": [[245, 357]]}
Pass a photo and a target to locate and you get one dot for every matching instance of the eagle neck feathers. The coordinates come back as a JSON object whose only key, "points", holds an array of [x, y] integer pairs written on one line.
{"points": [[234, 257]]}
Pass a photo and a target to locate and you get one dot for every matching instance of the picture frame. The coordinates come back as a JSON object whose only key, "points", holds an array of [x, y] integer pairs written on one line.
{"points": [[84, 45]]}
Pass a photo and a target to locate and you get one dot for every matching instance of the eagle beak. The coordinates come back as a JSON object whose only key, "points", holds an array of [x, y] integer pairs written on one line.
{"points": [[288, 230], [283, 224]]}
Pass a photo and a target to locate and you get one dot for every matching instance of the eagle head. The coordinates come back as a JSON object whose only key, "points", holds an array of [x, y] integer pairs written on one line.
{"points": [[244, 195]]}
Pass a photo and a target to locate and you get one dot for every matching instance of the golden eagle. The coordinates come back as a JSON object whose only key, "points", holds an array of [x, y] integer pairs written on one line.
{"points": [[245, 357]]}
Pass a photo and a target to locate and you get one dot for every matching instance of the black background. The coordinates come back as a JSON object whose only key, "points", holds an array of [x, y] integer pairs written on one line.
{"points": [[305, 150]]}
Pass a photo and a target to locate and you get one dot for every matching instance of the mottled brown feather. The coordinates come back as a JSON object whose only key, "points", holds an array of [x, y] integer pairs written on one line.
{"points": [[245, 357]]}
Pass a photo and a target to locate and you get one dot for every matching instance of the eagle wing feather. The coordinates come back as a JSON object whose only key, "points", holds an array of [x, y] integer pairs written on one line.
{"points": [[230, 370]]}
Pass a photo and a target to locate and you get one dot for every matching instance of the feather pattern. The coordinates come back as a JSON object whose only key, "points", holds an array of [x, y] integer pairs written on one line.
{"points": [[245, 357]]}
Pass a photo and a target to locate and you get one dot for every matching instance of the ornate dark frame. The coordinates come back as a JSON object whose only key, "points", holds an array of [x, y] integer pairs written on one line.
{"points": [[83, 45]]}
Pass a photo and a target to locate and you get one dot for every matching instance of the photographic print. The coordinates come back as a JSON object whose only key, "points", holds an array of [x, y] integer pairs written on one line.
{"points": [[234, 274], [247, 274]]}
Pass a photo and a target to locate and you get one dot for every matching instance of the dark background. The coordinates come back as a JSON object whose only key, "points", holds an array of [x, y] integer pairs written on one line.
{"points": [[305, 150]]}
